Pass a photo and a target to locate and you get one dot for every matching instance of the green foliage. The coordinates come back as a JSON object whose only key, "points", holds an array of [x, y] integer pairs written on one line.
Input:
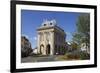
{"points": [[74, 45], [77, 38], [68, 57], [82, 35], [84, 55], [83, 24], [74, 56]]}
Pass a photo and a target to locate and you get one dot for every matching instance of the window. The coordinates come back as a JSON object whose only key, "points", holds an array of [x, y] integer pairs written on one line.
{"points": [[50, 23], [44, 24]]}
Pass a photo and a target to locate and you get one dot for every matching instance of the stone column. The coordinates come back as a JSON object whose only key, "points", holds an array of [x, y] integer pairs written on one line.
{"points": [[38, 43], [44, 42], [52, 43]]}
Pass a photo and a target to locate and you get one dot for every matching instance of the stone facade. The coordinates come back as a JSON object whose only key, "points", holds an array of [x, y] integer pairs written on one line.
{"points": [[26, 48], [51, 38]]}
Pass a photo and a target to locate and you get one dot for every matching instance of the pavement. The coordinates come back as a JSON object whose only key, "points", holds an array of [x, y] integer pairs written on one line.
{"points": [[38, 59]]}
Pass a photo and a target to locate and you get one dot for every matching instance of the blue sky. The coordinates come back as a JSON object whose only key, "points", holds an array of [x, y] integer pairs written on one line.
{"points": [[31, 20]]}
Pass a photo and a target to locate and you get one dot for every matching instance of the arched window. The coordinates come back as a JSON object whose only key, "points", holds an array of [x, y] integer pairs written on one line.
{"points": [[44, 24], [50, 23], [41, 48]]}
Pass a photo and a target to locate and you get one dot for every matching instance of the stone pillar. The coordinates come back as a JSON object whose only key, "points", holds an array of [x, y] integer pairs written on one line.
{"points": [[52, 43], [44, 42], [38, 43]]}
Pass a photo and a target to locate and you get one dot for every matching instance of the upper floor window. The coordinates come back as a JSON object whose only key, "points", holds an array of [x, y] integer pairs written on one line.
{"points": [[50, 23], [44, 24]]}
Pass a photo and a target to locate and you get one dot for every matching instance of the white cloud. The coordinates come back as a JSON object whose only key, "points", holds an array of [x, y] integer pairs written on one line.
{"points": [[68, 36], [35, 38], [68, 33]]}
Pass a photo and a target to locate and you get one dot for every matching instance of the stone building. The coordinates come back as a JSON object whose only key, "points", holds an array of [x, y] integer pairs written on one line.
{"points": [[26, 48], [51, 39]]}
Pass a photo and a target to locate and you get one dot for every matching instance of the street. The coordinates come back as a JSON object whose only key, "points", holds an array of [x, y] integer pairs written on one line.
{"points": [[38, 59]]}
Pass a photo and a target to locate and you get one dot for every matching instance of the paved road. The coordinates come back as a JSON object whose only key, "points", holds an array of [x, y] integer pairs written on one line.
{"points": [[39, 59]]}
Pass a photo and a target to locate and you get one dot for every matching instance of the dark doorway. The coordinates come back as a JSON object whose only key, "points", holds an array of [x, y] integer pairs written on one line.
{"points": [[48, 49], [41, 49]]}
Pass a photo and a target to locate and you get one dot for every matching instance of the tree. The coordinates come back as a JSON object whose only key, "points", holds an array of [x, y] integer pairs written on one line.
{"points": [[74, 46], [82, 35]]}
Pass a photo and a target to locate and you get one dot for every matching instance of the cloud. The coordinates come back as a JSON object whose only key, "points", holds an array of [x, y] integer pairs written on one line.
{"points": [[35, 38], [68, 33], [69, 36]]}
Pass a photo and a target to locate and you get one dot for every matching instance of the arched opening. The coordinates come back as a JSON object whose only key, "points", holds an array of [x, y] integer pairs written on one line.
{"points": [[41, 49], [48, 49]]}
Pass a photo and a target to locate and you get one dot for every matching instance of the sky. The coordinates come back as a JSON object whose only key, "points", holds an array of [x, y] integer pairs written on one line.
{"points": [[32, 19]]}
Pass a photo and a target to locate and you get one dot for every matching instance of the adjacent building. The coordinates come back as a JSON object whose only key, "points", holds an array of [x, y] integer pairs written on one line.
{"points": [[26, 48]]}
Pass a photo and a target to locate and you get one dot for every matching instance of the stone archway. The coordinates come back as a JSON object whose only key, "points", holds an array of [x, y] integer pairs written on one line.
{"points": [[48, 49], [41, 48]]}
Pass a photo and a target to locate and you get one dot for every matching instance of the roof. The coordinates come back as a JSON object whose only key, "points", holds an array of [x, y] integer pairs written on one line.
{"points": [[50, 25]]}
